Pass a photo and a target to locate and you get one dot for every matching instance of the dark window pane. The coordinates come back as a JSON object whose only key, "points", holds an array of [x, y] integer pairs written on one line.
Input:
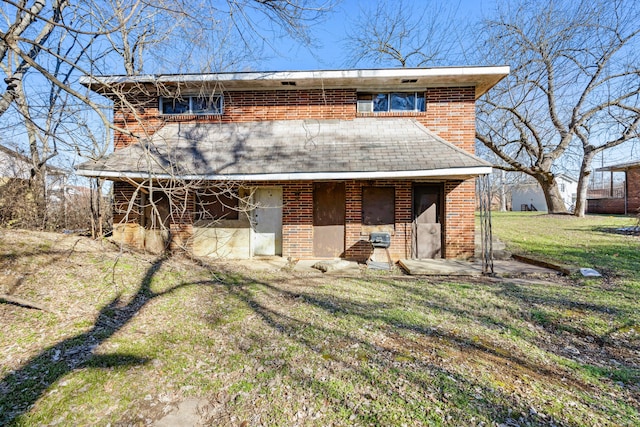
{"points": [[157, 210], [403, 101], [420, 104], [217, 204], [206, 105], [378, 205], [175, 106], [381, 102]]}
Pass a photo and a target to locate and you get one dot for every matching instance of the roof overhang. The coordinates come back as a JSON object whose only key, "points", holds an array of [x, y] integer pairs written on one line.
{"points": [[622, 167], [482, 78], [452, 173]]}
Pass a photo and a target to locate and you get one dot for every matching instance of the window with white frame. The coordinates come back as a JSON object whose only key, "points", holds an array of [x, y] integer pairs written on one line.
{"points": [[391, 102], [200, 104]]}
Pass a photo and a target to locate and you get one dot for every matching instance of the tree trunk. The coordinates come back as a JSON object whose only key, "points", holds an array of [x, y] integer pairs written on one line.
{"points": [[555, 203], [503, 193], [583, 184]]}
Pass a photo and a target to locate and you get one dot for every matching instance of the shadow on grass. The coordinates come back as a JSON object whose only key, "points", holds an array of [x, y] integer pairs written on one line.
{"points": [[406, 358], [387, 365], [22, 388]]}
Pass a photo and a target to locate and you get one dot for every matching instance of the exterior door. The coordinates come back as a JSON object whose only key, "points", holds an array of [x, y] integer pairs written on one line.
{"points": [[427, 221], [328, 219], [267, 221]]}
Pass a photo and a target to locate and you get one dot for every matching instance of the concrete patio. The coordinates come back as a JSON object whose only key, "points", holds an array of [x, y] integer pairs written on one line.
{"points": [[423, 267]]}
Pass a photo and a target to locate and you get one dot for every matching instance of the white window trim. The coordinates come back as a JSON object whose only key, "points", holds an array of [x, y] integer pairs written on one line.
{"points": [[191, 112], [370, 103]]}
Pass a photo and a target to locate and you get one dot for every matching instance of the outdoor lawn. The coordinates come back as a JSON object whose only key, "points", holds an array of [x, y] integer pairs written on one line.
{"points": [[125, 338]]}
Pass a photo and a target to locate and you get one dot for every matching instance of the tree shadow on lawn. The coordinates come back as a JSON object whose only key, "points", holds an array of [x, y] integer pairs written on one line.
{"points": [[533, 301], [22, 388], [437, 386], [399, 359]]}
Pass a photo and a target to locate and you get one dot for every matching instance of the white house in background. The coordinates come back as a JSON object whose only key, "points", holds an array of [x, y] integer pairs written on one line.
{"points": [[528, 195]]}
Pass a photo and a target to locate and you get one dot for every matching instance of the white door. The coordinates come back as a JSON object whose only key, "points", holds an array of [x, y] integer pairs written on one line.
{"points": [[267, 221]]}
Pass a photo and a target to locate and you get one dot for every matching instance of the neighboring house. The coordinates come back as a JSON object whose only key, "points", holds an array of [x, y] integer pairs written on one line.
{"points": [[528, 195], [16, 197], [621, 197], [13, 164], [303, 164], [17, 166]]}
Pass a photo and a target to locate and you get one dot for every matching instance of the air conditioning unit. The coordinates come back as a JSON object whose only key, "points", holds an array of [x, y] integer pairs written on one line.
{"points": [[365, 106]]}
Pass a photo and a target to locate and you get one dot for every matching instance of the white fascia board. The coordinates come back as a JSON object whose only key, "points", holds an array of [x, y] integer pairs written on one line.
{"points": [[300, 176], [325, 75]]}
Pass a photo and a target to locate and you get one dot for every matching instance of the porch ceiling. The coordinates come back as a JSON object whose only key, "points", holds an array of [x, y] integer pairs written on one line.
{"points": [[291, 150]]}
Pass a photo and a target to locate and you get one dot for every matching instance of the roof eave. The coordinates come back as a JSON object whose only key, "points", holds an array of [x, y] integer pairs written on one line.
{"points": [[482, 78], [449, 173]]}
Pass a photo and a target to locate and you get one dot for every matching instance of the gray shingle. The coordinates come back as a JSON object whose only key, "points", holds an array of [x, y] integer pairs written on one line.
{"points": [[288, 146]]}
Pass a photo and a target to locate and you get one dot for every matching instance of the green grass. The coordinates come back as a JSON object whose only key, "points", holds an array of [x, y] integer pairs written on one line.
{"points": [[280, 349], [582, 242]]}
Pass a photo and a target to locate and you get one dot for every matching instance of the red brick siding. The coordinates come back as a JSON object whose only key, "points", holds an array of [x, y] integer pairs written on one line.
{"points": [[128, 215], [123, 210], [142, 117], [450, 113], [633, 190], [617, 205], [605, 206], [356, 237], [459, 219], [297, 219]]}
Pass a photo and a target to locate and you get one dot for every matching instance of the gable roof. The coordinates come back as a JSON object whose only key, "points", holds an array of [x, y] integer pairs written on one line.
{"points": [[384, 79], [363, 148]]}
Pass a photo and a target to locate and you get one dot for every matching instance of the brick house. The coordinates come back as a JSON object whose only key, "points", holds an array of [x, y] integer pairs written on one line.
{"points": [[303, 164], [618, 198]]}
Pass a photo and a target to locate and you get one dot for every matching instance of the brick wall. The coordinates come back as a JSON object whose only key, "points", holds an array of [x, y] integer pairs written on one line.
{"points": [[459, 219], [617, 205], [605, 206], [450, 113], [357, 236], [633, 190], [297, 219], [140, 117]]}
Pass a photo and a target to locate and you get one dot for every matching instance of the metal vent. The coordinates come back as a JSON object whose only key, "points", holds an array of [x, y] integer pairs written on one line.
{"points": [[365, 106]]}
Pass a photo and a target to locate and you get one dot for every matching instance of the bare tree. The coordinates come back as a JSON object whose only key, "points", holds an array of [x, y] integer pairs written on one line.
{"points": [[404, 33], [46, 45], [574, 85]]}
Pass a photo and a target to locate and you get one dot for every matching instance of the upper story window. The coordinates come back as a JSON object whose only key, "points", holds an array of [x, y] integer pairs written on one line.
{"points": [[391, 102], [191, 105]]}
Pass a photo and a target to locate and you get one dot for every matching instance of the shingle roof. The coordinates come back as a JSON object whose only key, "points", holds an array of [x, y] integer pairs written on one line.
{"points": [[294, 148]]}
